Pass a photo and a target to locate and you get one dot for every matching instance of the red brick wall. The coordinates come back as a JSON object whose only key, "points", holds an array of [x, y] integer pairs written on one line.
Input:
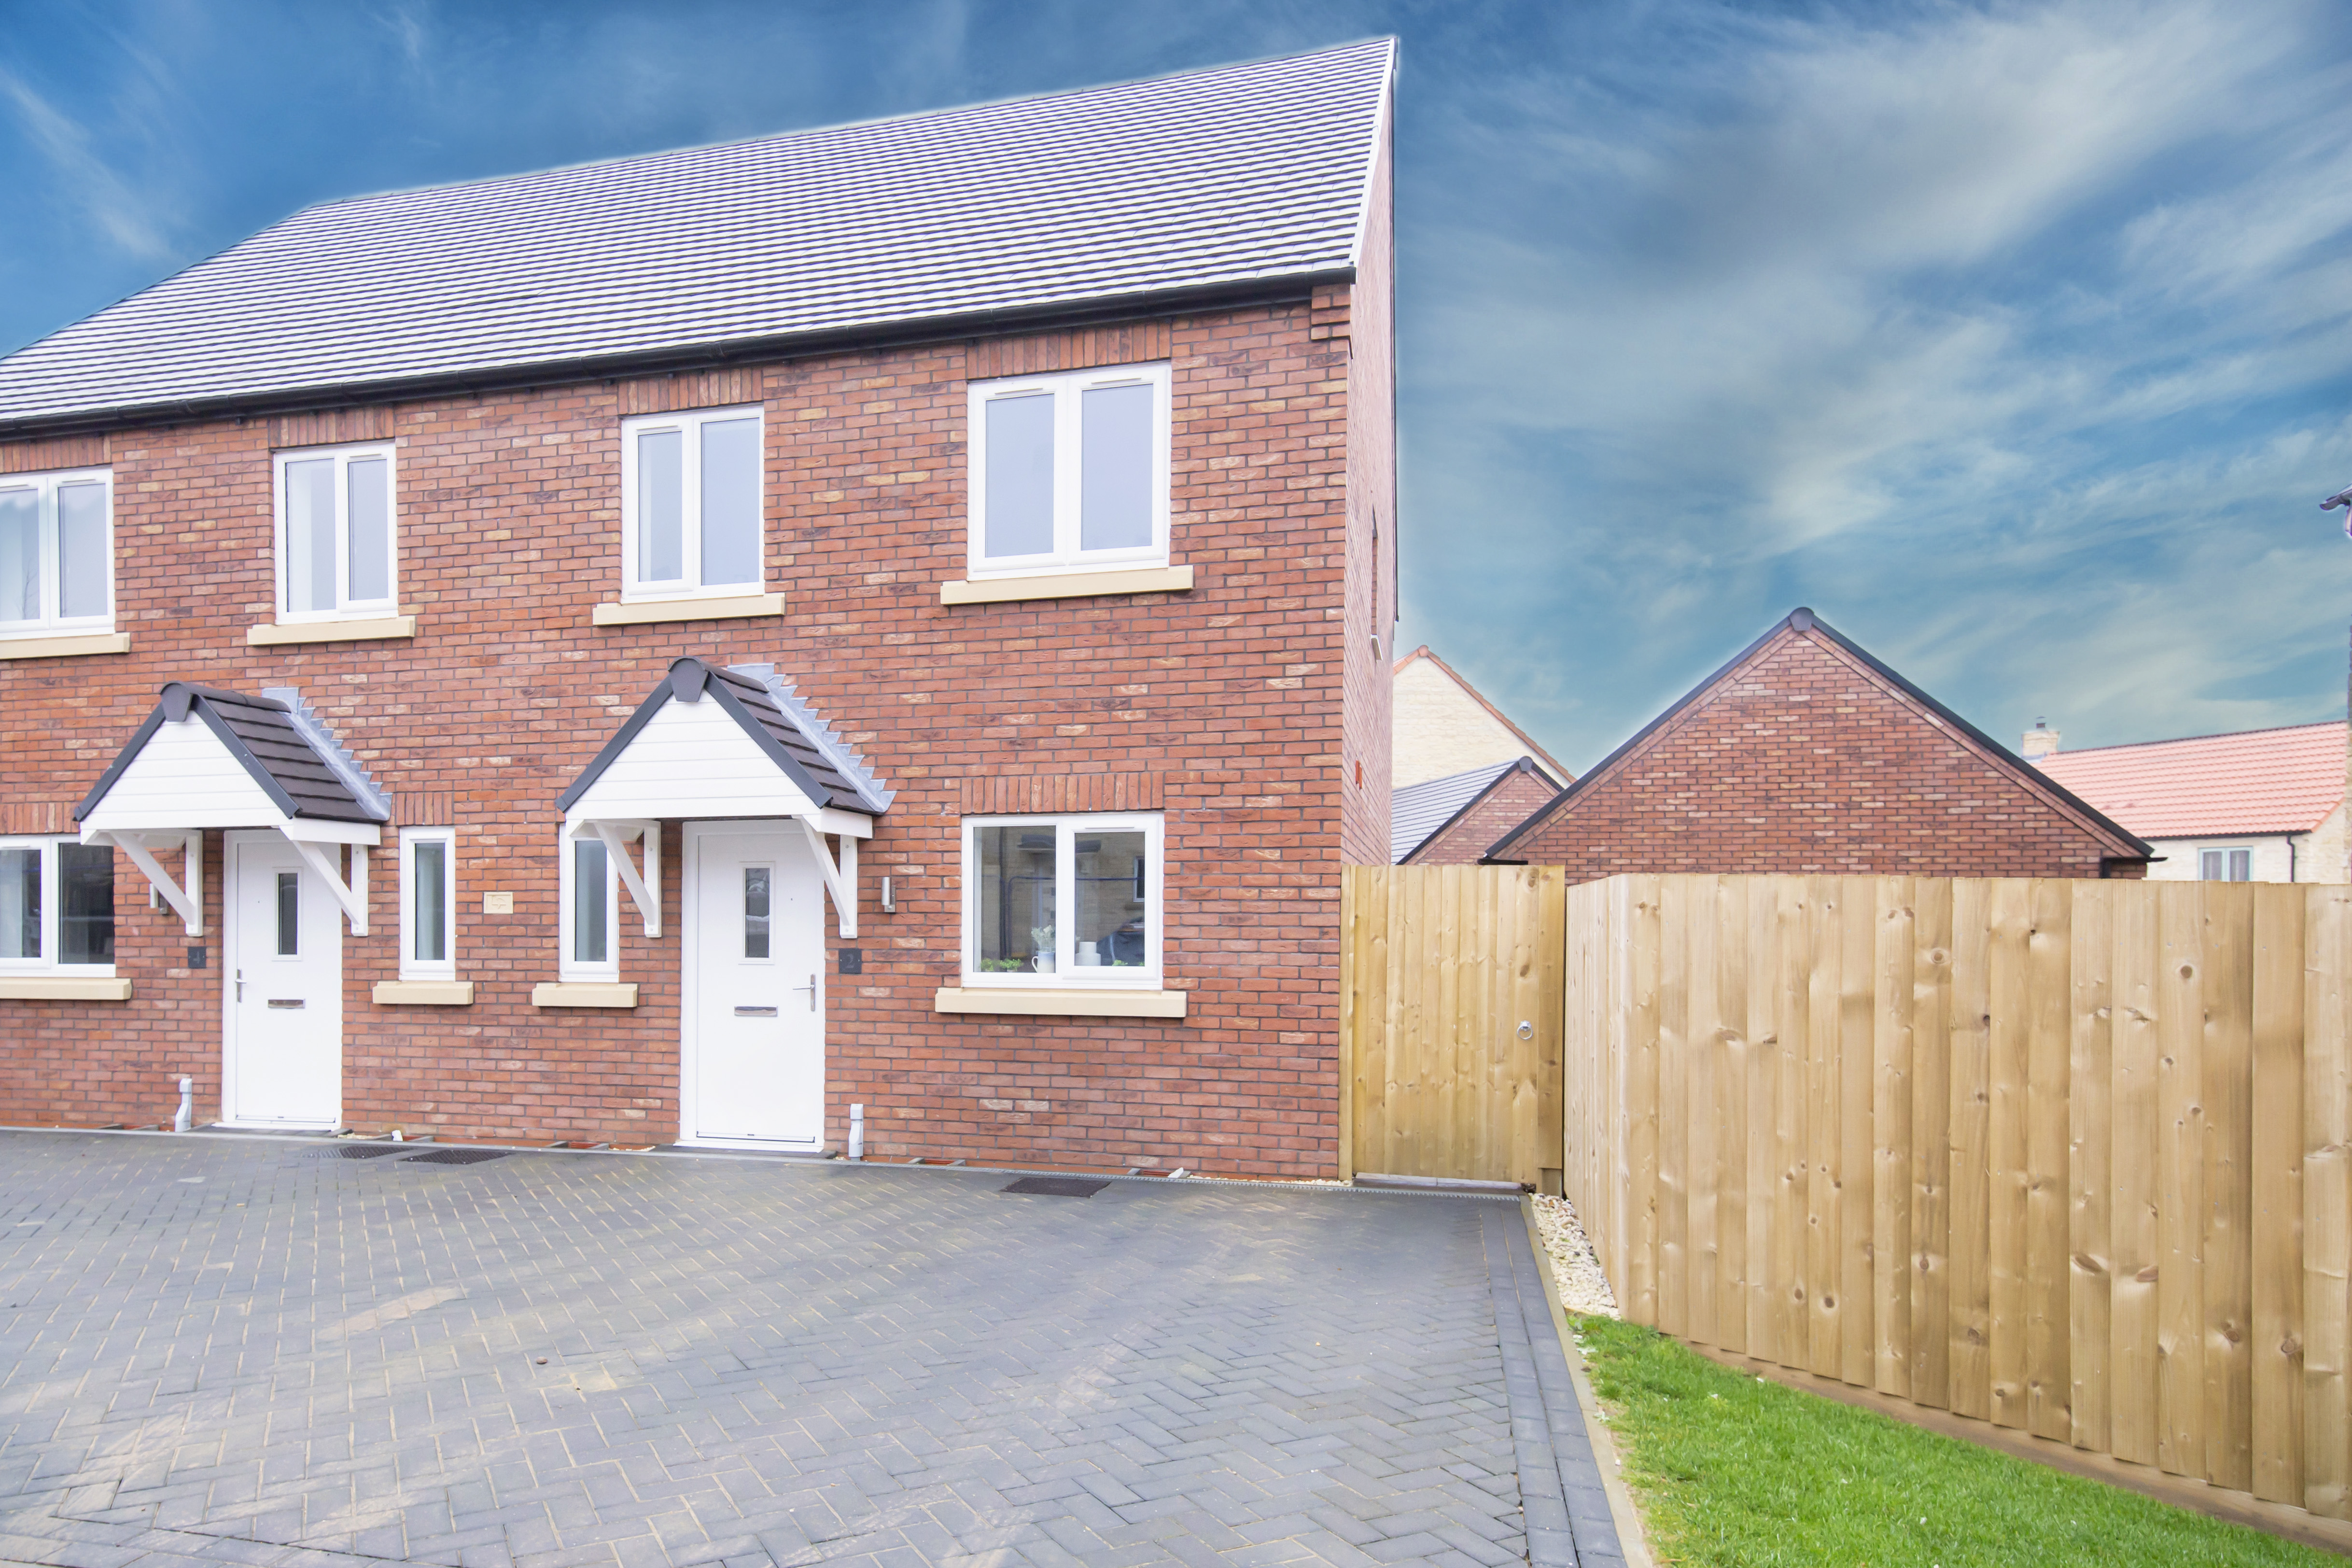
{"points": [[1230, 697], [1803, 759], [1363, 317], [1516, 797]]}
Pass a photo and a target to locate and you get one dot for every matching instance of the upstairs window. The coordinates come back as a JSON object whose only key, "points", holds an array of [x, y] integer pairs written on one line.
{"points": [[335, 549], [690, 504], [57, 552], [57, 906], [1070, 472]]}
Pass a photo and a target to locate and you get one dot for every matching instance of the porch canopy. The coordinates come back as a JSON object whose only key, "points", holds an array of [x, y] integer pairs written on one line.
{"points": [[712, 743], [206, 759]]}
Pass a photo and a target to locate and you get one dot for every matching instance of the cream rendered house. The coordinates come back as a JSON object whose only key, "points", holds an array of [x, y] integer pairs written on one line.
{"points": [[1444, 727]]}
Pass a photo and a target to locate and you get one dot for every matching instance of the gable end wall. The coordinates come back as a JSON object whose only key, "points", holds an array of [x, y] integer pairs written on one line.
{"points": [[1802, 762]]}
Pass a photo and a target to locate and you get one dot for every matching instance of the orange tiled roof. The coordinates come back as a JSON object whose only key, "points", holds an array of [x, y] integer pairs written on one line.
{"points": [[2257, 781]]}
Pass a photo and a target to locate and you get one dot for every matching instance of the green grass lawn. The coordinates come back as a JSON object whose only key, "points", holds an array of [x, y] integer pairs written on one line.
{"points": [[1731, 1470]]}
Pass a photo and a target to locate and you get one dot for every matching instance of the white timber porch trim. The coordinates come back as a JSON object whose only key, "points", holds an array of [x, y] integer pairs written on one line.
{"points": [[185, 896], [644, 885], [840, 878], [351, 896]]}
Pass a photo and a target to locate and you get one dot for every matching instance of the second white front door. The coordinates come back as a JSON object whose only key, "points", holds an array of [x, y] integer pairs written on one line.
{"points": [[283, 1064], [754, 988]]}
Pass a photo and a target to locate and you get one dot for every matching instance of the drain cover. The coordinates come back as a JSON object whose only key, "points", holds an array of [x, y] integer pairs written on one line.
{"points": [[459, 1156], [361, 1151], [1055, 1186]]}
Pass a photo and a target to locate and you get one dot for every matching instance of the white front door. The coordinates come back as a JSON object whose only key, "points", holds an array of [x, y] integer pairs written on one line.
{"points": [[753, 1064], [283, 1060]]}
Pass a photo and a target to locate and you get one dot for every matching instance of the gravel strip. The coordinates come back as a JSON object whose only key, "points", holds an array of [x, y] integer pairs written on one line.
{"points": [[1583, 1288]]}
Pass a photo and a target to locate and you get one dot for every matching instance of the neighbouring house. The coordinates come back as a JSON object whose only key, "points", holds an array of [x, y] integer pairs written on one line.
{"points": [[680, 647], [1443, 727], [1806, 754], [1450, 821], [2259, 806]]}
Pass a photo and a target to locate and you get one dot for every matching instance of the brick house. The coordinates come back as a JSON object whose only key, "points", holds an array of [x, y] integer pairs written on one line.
{"points": [[1450, 821], [1806, 754], [676, 647]]}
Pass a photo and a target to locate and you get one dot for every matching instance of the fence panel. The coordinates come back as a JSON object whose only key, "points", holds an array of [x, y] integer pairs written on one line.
{"points": [[2065, 1156], [1451, 995]]}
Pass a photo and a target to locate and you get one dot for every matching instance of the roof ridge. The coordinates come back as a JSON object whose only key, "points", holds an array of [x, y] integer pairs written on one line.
{"points": [[867, 123]]}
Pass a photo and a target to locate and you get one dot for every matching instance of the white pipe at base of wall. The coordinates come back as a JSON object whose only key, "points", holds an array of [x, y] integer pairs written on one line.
{"points": [[184, 1117], [858, 1133]]}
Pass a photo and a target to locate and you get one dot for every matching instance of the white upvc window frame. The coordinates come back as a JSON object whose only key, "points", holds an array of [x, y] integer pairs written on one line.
{"points": [[2225, 851], [345, 608], [51, 621], [411, 966], [1067, 974], [692, 585], [569, 968], [1067, 389], [53, 911]]}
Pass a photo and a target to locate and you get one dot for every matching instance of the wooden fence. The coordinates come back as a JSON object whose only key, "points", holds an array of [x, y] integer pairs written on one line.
{"points": [[2068, 1156], [1449, 1021]]}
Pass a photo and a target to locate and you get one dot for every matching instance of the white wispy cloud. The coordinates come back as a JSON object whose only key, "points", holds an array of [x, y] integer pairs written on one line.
{"points": [[1990, 330]]}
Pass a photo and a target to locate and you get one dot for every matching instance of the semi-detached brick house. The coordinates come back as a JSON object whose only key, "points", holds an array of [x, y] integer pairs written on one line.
{"points": [[674, 648], [1805, 754]]}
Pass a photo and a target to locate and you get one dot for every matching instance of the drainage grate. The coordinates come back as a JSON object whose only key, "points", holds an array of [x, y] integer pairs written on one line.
{"points": [[460, 1156], [1055, 1186], [361, 1151]]}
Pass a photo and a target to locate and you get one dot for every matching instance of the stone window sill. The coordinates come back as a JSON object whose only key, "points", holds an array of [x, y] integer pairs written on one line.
{"points": [[65, 645], [1067, 585], [582, 993], [423, 993], [1071, 1002], [653, 612], [64, 988], [380, 628]]}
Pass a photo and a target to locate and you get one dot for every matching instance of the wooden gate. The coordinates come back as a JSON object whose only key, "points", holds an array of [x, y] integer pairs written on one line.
{"points": [[1450, 994]]}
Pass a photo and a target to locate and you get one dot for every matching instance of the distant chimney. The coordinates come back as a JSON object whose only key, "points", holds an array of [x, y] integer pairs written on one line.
{"points": [[2040, 741]]}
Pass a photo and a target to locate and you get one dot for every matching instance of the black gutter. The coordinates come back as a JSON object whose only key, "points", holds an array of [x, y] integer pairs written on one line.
{"points": [[1289, 289], [1804, 620]]}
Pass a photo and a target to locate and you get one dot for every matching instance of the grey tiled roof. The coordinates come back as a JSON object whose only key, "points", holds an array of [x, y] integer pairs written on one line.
{"points": [[1149, 190], [1419, 810], [262, 733]]}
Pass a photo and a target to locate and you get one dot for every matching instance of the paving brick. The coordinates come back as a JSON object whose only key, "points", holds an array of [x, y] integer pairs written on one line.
{"points": [[757, 1363]]}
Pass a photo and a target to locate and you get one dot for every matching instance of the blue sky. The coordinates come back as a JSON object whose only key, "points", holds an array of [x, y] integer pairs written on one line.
{"points": [[2015, 340]]}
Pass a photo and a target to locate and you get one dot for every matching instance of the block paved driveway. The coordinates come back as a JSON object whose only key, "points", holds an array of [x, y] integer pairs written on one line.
{"points": [[221, 1349]]}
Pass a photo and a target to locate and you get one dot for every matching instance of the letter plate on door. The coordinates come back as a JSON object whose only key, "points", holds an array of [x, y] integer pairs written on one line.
{"points": [[286, 1001], [755, 1012]]}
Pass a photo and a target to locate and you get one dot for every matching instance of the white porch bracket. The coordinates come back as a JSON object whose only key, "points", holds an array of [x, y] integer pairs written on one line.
{"points": [[644, 885], [840, 880], [188, 901], [351, 896]]}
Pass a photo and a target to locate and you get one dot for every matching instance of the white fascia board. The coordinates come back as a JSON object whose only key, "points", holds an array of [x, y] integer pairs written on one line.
{"points": [[310, 830]]}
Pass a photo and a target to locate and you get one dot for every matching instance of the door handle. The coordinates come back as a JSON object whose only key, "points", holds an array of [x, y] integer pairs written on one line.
{"points": [[240, 985], [811, 989], [755, 1012]]}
